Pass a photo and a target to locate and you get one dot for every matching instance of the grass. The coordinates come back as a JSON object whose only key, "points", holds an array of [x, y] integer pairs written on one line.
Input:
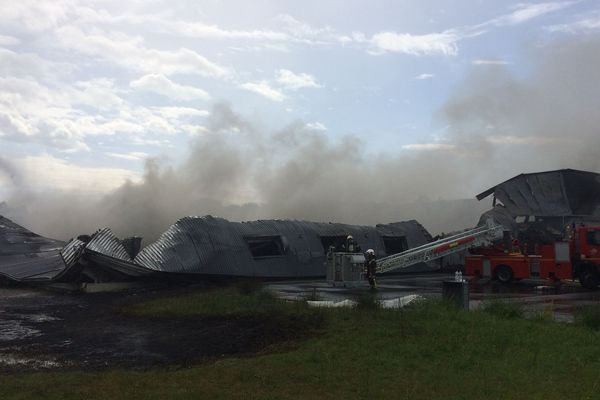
{"points": [[229, 301], [503, 309], [588, 316], [426, 351]]}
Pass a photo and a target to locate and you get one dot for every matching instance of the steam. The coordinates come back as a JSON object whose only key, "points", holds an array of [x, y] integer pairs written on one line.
{"points": [[500, 125]]}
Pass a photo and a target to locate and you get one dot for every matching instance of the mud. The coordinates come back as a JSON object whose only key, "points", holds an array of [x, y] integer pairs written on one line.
{"points": [[42, 331]]}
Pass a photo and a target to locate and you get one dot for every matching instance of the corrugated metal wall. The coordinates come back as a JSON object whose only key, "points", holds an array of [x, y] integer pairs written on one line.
{"points": [[195, 245], [215, 246]]}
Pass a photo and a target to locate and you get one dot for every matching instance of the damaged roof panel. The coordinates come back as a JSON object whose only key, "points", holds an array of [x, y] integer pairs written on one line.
{"points": [[564, 192], [25, 255]]}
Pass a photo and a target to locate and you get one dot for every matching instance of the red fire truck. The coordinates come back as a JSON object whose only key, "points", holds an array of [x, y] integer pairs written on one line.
{"points": [[576, 257]]}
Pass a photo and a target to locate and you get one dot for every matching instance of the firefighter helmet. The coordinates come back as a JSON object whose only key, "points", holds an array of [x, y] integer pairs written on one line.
{"points": [[349, 237], [370, 252]]}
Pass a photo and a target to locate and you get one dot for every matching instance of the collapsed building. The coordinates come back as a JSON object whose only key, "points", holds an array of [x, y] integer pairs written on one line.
{"points": [[196, 247], [536, 207]]}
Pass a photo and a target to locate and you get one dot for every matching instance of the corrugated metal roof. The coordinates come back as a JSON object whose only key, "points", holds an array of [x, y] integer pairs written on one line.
{"points": [[200, 245], [105, 242], [72, 251], [25, 255], [215, 246], [554, 193]]}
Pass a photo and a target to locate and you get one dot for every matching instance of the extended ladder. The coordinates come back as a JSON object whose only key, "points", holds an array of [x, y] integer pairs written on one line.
{"points": [[443, 247]]}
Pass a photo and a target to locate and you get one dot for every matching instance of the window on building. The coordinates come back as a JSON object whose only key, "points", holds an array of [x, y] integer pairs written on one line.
{"points": [[394, 244], [265, 246]]}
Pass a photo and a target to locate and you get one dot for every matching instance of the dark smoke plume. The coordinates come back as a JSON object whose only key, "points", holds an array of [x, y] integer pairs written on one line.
{"points": [[500, 125]]}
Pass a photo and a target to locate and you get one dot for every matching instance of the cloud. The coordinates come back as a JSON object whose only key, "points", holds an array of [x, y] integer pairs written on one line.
{"points": [[202, 30], [131, 52], [424, 76], [489, 62], [98, 93], [444, 43], [26, 65], [290, 80], [9, 40], [525, 12], [588, 24], [64, 118], [264, 89], [315, 126], [35, 16], [180, 112], [131, 156], [429, 147], [31, 112], [305, 33], [45, 172], [525, 140], [162, 85]]}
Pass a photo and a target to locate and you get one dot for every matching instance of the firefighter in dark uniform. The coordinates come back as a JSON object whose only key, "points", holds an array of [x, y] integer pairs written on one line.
{"points": [[371, 267], [350, 246]]}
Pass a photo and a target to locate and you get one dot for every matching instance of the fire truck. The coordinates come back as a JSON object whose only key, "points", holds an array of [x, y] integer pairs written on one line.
{"points": [[577, 256]]}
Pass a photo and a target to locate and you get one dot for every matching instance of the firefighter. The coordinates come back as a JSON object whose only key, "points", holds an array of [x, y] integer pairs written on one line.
{"points": [[371, 267], [351, 246]]}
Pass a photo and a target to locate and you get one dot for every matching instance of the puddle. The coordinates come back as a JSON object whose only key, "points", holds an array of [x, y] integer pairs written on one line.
{"points": [[36, 317], [15, 329], [17, 326], [10, 360]]}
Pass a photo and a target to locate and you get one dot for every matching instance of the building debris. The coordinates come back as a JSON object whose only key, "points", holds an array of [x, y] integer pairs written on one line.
{"points": [[538, 206]]}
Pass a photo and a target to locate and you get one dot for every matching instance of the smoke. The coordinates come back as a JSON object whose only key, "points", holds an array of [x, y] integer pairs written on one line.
{"points": [[8, 172], [547, 119], [499, 125]]}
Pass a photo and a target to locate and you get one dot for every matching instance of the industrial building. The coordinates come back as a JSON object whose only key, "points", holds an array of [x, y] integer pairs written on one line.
{"points": [[197, 247]]}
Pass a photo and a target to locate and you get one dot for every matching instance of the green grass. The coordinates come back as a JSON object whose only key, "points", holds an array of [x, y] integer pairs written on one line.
{"points": [[230, 301], [503, 309], [427, 351]]}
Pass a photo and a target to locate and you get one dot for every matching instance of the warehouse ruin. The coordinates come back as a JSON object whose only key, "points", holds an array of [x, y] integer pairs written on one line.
{"points": [[534, 205]]}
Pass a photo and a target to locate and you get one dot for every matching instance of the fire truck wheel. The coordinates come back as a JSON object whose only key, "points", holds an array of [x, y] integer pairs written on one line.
{"points": [[588, 278], [504, 273]]}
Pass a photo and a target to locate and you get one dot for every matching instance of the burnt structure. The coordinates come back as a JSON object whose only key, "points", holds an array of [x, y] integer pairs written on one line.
{"points": [[538, 206], [25, 255], [198, 247]]}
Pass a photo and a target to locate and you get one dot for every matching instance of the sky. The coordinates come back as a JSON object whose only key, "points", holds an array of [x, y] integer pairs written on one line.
{"points": [[95, 95]]}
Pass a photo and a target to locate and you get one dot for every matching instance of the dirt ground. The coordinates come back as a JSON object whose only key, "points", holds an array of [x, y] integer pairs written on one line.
{"points": [[45, 330]]}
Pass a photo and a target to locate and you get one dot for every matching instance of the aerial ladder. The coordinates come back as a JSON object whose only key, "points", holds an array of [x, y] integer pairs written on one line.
{"points": [[346, 269], [475, 237]]}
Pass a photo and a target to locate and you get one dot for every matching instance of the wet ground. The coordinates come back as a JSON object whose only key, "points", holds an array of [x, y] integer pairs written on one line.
{"points": [[48, 330], [535, 296], [44, 330]]}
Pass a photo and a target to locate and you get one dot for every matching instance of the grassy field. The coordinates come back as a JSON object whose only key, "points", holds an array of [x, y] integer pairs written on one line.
{"points": [[427, 351]]}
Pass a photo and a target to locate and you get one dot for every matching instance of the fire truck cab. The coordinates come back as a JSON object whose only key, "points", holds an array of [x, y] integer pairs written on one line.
{"points": [[586, 256], [577, 256]]}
